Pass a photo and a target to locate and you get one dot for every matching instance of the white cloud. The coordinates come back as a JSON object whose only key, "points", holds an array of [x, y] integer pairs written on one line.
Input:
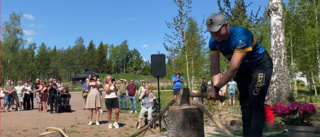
{"points": [[29, 32], [29, 39], [145, 46], [28, 16]]}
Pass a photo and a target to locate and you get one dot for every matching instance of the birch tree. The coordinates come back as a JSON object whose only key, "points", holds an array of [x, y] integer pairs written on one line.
{"points": [[176, 42], [279, 86]]}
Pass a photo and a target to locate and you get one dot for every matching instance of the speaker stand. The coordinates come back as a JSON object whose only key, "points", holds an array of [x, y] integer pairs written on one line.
{"points": [[159, 103]]}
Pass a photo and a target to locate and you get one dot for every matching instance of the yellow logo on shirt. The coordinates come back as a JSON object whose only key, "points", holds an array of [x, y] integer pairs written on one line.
{"points": [[210, 21]]}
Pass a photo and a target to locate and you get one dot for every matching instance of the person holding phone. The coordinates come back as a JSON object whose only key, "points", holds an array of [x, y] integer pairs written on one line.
{"points": [[111, 101], [177, 81], [93, 99]]}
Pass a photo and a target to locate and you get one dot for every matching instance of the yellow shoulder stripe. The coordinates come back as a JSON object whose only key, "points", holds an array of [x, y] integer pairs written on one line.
{"points": [[228, 56], [243, 50], [214, 52]]}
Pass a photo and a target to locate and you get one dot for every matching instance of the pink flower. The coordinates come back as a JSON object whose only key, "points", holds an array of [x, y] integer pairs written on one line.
{"points": [[295, 113], [307, 108], [280, 109], [294, 106]]}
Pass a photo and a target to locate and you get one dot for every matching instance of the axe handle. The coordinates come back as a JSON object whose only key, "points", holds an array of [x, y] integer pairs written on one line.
{"points": [[202, 95]]}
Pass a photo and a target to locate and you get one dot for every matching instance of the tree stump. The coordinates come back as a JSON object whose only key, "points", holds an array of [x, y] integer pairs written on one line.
{"points": [[185, 122]]}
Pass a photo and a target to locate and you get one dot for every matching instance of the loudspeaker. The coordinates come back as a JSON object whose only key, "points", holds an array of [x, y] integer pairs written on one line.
{"points": [[158, 65]]}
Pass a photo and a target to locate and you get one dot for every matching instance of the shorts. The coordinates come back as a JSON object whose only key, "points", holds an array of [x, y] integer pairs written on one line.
{"points": [[112, 103], [232, 95], [222, 98], [176, 91]]}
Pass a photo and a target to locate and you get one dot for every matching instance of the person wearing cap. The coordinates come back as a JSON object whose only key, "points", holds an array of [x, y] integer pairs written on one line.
{"points": [[123, 98], [249, 63]]}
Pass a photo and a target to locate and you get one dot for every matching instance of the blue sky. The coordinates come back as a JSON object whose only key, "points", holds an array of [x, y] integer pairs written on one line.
{"points": [[140, 22]]}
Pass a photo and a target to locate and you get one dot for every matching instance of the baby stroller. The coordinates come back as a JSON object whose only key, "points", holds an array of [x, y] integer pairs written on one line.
{"points": [[64, 101]]}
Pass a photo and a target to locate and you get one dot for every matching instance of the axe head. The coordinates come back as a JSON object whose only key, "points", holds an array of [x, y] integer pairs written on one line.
{"points": [[185, 98]]}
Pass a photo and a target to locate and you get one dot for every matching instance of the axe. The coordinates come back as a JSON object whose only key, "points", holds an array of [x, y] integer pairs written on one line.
{"points": [[185, 100]]}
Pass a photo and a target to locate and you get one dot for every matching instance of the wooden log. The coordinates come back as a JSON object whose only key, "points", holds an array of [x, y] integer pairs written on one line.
{"points": [[50, 134], [185, 122]]}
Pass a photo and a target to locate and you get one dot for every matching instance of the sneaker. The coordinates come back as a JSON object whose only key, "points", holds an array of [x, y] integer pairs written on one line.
{"points": [[97, 123], [110, 126], [101, 111], [131, 111], [116, 125], [135, 111], [90, 123]]}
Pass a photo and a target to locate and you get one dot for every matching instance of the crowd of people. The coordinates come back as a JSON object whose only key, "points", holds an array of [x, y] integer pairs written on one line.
{"points": [[115, 94], [22, 96]]}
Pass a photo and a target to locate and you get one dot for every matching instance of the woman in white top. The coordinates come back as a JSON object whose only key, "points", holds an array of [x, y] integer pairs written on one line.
{"points": [[26, 96], [19, 89], [111, 101]]}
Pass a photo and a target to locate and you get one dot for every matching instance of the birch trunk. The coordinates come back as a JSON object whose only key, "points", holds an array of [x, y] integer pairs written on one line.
{"points": [[295, 91], [279, 86], [187, 61], [314, 84], [192, 78], [188, 82]]}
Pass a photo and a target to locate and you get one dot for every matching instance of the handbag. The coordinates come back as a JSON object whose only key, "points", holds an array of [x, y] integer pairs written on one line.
{"points": [[84, 94]]}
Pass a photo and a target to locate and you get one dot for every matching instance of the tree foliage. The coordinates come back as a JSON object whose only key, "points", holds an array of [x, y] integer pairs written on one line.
{"points": [[19, 63]]}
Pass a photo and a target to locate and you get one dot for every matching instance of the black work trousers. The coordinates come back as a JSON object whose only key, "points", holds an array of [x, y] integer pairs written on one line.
{"points": [[53, 99], [253, 84], [31, 100], [26, 102]]}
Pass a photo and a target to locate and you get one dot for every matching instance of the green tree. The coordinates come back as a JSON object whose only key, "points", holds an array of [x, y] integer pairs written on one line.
{"points": [[303, 37], [112, 59], [54, 63], [117, 62], [42, 61], [101, 59], [91, 51], [146, 69], [12, 42], [30, 59], [194, 48], [175, 42], [135, 61], [79, 56], [123, 56]]}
